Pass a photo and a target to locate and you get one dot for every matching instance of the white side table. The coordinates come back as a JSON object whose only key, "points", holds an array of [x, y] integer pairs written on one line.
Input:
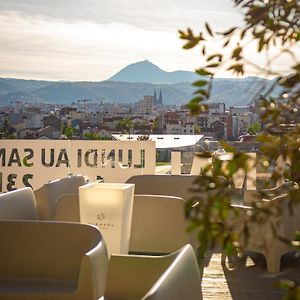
{"points": [[109, 207]]}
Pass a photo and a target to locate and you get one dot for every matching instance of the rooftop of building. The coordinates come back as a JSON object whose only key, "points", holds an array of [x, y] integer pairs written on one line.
{"points": [[165, 141]]}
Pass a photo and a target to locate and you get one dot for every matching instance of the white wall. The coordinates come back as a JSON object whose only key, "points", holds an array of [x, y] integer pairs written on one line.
{"points": [[36, 162]]}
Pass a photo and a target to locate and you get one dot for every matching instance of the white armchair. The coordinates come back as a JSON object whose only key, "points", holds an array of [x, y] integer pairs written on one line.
{"points": [[171, 277], [50, 260], [47, 195], [265, 237], [168, 185], [158, 225], [18, 205]]}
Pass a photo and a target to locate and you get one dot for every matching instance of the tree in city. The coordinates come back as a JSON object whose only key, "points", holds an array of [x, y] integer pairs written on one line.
{"points": [[255, 128], [6, 131], [92, 136], [197, 129], [125, 125], [272, 26], [155, 126], [68, 131]]}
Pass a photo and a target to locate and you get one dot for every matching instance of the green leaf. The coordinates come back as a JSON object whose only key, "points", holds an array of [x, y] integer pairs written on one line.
{"points": [[209, 30], [285, 284], [237, 68], [204, 72], [297, 67], [205, 93], [230, 31], [194, 107], [200, 83], [196, 100], [261, 44], [243, 33], [190, 32], [204, 154], [182, 34], [211, 57], [236, 53], [229, 248], [215, 65], [190, 44], [226, 43]]}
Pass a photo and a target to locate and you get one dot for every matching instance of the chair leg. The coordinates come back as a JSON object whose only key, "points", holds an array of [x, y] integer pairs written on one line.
{"points": [[273, 263], [223, 258]]}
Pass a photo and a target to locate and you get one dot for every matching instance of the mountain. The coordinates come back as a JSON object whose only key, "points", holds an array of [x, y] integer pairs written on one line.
{"points": [[20, 97], [6, 88], [232, 92], [65, 92], [145, 71], [26, 86], [126, 87]]}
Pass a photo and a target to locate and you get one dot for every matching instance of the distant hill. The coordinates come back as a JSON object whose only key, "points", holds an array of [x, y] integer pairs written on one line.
{"points": [[26, 86], [65, 92], [232, 92], [145, 71], [20, 97], [6, 88]]}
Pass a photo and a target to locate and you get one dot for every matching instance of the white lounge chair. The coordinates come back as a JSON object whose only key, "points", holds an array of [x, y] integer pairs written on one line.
{"points": [[66, 208], [47, 195], [158, 224], [168, 185], [261, 237], [171, 277], [18, 205], [50, 260]]}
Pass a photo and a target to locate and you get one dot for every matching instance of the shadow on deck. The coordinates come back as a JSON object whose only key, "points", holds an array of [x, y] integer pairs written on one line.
{"points": [[246, 279]]}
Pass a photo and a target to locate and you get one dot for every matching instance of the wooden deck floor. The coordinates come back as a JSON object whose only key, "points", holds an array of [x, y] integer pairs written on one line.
{"points": [[245, 279]]}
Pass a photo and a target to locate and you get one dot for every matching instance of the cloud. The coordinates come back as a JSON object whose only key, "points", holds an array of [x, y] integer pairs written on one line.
{"points": [[154, 14], [92, 39], [81, 50], [96, 38]]}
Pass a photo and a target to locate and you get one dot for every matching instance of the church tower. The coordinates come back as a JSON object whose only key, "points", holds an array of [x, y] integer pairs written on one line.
{"points": [[160, 101], [155, 98]]}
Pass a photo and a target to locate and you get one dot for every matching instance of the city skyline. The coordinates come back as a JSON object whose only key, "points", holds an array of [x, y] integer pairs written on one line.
{"points": [[92, 40]]}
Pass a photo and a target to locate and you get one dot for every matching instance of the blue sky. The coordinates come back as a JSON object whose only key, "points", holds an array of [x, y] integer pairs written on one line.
{"points": [[93, 39]]}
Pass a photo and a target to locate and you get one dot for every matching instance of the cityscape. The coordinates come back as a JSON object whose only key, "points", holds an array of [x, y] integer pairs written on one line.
{"points": [[100, 119], [150, 150]]}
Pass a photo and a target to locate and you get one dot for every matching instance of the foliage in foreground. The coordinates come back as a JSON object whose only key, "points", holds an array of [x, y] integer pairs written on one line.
{"points": [[272, 26]]}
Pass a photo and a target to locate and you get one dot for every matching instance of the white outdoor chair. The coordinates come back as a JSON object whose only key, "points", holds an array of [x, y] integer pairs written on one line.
{"points": [[158, 224], [66, 208], [47, 195], [172, 277], [248, 197], [261, 236], [50, 260], [240, 178], [168, 185], [18, 205]]}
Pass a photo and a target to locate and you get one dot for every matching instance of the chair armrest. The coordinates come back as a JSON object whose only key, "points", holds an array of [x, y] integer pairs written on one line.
{"points": [[281, 189], [93, 272], [124, 275], [242, 207], [67, 208], [41, 197]]}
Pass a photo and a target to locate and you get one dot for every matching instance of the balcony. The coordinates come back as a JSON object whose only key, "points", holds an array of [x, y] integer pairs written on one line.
{"points": [[244, 278]]}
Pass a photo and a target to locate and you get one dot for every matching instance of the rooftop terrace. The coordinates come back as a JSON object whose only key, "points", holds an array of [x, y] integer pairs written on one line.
{"points": [[238, 280]]}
